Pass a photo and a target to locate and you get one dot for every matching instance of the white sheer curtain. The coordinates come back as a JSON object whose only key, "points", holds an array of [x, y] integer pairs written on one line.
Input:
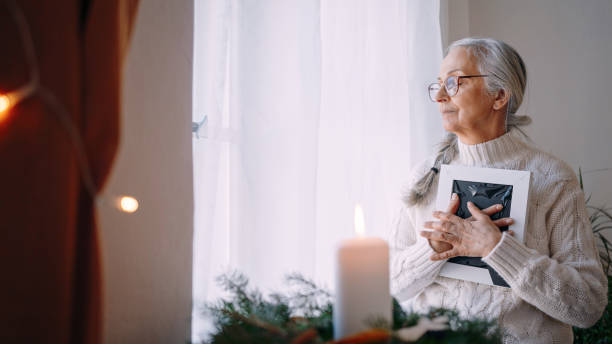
{"points": [[311, 107]]}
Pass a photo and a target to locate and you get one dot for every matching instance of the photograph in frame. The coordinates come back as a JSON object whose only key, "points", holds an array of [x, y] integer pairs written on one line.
{"points": [[484, 187]]}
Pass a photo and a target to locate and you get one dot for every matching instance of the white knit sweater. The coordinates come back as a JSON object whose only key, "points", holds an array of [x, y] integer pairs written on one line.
{"points": [[556, 278]]}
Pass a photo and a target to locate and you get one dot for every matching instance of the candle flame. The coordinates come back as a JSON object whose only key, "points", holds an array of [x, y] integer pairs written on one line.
{"points": [[359, 222]]}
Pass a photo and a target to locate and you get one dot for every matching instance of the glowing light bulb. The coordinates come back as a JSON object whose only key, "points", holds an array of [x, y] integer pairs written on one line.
{"points": [[128, 204], [5, 103], [11, 99], [359, 222]]}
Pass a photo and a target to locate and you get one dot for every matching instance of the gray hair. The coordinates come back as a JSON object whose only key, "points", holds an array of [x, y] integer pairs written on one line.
{"points": [[506, 72]]}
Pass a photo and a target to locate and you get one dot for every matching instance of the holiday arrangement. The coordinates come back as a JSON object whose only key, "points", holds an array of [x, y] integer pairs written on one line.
{"points": [[304, 315]]}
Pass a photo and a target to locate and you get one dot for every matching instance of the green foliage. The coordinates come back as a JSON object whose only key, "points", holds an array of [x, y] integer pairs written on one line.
{"points": [[462, 331], [247, 317], [401, 319]]}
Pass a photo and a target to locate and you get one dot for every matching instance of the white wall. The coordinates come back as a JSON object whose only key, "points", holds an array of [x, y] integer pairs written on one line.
{"points": [[566, 45], [147, 255]]}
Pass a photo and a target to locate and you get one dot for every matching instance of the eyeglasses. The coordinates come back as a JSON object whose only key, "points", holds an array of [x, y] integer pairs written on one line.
{"points": [[451, 85]]}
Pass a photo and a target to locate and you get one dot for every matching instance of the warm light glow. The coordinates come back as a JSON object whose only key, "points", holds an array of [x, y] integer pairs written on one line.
{"points": [[5, 103], [11, 99], [359, 222], [128, 204]]}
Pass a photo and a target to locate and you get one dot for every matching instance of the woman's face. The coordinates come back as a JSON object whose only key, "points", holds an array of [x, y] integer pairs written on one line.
{"points": [[470, 113]]}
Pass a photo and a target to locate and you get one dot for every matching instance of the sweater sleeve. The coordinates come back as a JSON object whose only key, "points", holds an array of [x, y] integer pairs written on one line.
{"points": [[569, 285], [411, 268]]}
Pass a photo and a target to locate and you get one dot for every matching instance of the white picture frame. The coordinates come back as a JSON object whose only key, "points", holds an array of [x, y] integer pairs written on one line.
{"points": [[518, 210]]}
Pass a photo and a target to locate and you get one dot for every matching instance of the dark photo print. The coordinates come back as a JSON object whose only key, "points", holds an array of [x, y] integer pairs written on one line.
{"points": [[483, 195]]}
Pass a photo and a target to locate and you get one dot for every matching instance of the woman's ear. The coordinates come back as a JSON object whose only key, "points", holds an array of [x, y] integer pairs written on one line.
{"points": [[501, 99]]}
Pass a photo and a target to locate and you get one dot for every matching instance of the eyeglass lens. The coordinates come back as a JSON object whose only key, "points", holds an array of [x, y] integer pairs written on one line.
{"points": [[450, 84]]}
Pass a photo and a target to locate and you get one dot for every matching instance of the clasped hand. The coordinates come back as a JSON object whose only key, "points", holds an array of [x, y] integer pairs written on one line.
{"points": [[475, 236]]}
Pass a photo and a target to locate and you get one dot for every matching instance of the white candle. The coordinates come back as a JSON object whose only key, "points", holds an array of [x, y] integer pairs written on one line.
{"points": [[362, 282]]}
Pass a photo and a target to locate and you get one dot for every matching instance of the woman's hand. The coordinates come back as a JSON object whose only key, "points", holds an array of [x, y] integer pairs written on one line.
{"points": [[441, 246], [453, 206], [473, 237]]}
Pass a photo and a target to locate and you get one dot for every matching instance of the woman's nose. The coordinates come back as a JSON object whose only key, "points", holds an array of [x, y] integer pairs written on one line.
{"points": [[442, 96]]}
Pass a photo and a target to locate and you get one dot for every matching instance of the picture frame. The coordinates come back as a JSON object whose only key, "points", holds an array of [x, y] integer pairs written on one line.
{"points": [[484, 187]]}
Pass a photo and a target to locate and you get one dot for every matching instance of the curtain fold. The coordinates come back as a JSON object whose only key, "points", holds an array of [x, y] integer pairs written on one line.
{"points": [[311, 107], [51, 290]]}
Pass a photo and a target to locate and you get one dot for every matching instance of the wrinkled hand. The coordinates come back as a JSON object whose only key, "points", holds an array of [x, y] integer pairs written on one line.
{"points": [[453, 206], [475, 236], [441, 246]]}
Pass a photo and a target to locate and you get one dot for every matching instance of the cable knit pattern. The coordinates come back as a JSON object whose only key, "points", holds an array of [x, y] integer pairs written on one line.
{"points": [[556, 278]]}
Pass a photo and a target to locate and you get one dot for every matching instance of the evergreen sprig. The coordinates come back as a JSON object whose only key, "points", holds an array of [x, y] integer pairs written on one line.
{"points": [[304, 315]]}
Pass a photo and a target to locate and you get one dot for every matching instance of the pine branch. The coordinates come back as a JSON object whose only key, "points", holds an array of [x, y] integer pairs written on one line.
{"points": [[305, 316]]}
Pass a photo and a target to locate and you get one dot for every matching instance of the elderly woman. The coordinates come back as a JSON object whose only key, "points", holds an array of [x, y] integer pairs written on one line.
{"points": [[555, 277]]}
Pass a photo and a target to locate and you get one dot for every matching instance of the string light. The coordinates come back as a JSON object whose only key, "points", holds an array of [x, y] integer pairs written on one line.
{"points": [[9, 100], [5, 103], [128, 204]]}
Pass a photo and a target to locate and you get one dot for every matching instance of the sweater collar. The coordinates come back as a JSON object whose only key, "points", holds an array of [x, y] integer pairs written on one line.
{"points": [[487, 153]]}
